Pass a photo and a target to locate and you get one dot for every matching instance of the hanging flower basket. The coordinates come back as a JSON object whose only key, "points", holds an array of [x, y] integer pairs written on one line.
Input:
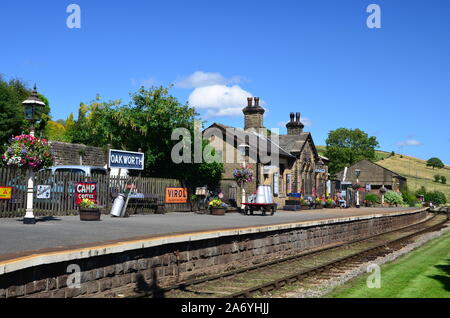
{"points": [[28, 152], [243, 175]]}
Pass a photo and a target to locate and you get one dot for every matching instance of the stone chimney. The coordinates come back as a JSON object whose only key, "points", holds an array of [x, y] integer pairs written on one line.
{"points": [[253, 114], [295, 126]]}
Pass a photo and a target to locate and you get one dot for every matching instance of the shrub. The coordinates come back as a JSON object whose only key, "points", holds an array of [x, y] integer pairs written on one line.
{"points": [[373, 198], [421, 191], [443, 180], [393, 198], [436, 197], [409, 197], [437, 178]]}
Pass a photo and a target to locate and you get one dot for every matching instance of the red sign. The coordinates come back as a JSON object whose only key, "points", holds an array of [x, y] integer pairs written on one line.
{"points": [[85, 190]]}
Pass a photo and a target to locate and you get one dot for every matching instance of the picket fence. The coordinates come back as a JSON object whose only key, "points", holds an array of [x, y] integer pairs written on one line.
{"points": [[62, 192]]}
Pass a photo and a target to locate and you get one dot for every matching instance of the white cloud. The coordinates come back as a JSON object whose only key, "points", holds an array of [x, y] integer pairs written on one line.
{"points": [[201, 79], [409, 142], [220, 100]]}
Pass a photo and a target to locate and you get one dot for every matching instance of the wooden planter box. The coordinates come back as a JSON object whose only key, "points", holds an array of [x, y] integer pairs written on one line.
{"points": [[89, 214], [218, 211]]}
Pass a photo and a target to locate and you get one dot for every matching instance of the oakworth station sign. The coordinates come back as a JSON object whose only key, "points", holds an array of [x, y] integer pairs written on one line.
{"points": [[125, 160]]}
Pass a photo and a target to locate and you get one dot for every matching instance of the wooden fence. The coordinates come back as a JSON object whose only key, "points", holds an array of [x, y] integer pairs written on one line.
{"points": [[62, 191]]}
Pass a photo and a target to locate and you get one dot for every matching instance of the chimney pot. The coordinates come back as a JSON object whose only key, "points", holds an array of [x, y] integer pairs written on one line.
{"points": [[297, 119], [249, 101], [292, 117], [256, 101]]}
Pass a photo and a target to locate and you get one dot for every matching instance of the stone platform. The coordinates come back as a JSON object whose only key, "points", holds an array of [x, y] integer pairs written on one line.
{"points": [[179, 245]]}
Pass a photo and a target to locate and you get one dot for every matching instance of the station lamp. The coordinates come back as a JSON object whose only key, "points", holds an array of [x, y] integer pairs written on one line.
{"points": [[32, 107]]}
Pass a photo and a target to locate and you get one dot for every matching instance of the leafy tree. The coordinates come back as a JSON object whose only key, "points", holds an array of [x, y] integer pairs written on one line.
{"points": [[145, 123], [435, 163], [443, 180], [436, 197], [437, 178], [421, 191], [409, 197], [55, 131], [12, 118], [346, 147]]}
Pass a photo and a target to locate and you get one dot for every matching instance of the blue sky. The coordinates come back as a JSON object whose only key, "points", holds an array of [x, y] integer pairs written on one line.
{"points": [[314, 57]]}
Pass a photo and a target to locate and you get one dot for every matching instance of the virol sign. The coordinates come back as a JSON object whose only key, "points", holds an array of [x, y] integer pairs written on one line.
{"points": [[176, 195], [85, 190]]}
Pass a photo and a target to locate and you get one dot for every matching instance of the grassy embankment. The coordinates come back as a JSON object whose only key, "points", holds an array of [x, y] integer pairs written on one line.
{"points": [[423, 273]]}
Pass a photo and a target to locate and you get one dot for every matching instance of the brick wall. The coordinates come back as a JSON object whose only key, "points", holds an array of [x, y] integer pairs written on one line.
{"points": [[76, 154], [181, 261]]}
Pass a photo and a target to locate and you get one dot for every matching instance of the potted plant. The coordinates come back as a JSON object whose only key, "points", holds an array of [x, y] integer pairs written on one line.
{"points": [[89, 211], [319, 203], [217, 207], [330, 204], [305, 204]]}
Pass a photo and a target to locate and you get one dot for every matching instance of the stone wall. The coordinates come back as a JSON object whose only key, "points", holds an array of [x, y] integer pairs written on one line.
{"points": [[76, 154], [181, 261]]}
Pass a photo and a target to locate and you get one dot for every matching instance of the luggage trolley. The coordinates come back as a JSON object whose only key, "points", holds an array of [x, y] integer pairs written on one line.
{"points": [[262, 202]]}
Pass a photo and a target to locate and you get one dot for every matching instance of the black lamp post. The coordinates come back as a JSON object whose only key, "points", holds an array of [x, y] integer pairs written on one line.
{"points": [[31, 107]]}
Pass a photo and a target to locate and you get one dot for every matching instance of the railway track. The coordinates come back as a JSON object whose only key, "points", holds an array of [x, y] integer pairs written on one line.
{"points": [[319, 264]]}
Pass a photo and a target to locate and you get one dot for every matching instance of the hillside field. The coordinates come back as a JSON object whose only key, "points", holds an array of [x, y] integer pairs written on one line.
{"points": [[414, 169]]}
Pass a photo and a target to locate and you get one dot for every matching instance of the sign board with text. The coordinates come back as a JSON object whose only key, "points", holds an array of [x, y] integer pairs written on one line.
{"points": [[126, 160], [85, 190], [5, 193], [176, 195]]}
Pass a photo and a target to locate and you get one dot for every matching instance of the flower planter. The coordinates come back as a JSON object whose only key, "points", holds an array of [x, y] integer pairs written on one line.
{"points": [[330, 206], [89, 214], [318, 206], [218, 211], [305, 207]]}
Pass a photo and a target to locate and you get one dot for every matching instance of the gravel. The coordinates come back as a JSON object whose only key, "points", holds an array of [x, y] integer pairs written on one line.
{"points": [[327, 286]]}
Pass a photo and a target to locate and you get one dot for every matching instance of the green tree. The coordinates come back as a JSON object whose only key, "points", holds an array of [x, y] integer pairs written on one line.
{"points": [[146, 123], [55, 131], [435, 163], [437, 178], [345, 147], [443, 180], [11, 112], [12, 118]]}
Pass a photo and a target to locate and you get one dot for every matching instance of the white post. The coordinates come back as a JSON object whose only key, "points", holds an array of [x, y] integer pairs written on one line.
{"points": [[357, 194], [243, 188], [29, 213]]}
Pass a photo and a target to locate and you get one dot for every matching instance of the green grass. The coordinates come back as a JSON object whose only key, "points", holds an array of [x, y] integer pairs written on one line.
{"points": [[423, 273]]}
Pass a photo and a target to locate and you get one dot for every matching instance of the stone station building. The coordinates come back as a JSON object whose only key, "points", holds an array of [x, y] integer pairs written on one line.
{"points": [[298, 167]]}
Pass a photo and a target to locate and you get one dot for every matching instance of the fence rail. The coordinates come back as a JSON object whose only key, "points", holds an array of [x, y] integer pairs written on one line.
{"points": [[62, 191]]}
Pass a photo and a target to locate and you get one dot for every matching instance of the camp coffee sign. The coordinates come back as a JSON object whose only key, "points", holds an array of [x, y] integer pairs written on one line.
{"points": [[126, 160], [85, 190]]}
